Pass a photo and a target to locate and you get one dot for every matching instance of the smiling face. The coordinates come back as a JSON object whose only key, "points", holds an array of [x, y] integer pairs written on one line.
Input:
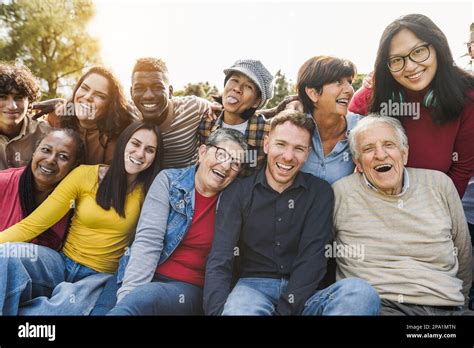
{"points": [[140, 152], [240, 94], [53, 159], [414, 76], [382, 159], [287, 148], [151, 92], [335, 97], [214, 175], [91, 99], [13, 109]]}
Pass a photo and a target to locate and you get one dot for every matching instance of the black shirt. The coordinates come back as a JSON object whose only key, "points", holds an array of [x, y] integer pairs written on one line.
{"points": [[271, 235]]}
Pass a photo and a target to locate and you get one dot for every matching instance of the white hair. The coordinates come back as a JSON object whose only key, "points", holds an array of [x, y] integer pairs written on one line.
{"points": [[374, 120], [227, 134]]}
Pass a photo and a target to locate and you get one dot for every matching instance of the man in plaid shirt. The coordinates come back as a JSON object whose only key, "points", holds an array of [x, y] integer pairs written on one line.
{"points": [[247, 87]]}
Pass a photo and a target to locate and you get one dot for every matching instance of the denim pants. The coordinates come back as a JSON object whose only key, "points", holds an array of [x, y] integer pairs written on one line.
{"points": [[108, 297], [163, 296], [396, 308], [259, 296], [36, 280]]}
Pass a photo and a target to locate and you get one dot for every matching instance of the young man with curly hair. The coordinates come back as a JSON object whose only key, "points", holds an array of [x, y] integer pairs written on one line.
{"points": [[19, 134]]}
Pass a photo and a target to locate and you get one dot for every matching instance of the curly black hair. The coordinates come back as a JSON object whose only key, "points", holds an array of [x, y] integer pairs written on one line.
{"points": [[18, 79]]}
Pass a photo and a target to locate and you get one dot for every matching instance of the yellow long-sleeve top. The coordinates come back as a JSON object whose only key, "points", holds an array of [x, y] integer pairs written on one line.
{"points": [[97, 238]]}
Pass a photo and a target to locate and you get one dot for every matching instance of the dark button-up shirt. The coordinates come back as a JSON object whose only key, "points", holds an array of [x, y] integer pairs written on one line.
{"points": [[270, 235]]}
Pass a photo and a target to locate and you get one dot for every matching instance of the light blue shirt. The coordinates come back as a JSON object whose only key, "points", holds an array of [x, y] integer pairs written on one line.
{"points": [[336, 164], [468, 202]]}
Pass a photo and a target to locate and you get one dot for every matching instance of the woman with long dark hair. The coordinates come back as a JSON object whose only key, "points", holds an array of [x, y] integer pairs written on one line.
{"points": [[98, 110], [25, 188], [416, 80], [107, 202]]}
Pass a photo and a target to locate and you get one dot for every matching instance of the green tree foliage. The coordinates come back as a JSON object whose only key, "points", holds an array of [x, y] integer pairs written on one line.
{"points": [[357, 82], [50, 37], [282, 89], [200, 89]]}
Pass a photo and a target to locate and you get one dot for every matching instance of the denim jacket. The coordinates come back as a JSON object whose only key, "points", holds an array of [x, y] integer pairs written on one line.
{"points": [[181, 200], [181, 208]]}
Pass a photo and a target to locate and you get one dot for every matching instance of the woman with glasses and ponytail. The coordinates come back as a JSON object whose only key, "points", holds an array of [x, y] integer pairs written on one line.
{"points": [[415, 79]]}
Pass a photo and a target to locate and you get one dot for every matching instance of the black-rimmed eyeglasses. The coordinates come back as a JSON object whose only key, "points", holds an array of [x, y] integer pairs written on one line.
{"points": [[417, 55], [223, 156]]}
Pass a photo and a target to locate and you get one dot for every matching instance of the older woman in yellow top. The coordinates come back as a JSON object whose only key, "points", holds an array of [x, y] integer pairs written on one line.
{"points": [[107, 204]]}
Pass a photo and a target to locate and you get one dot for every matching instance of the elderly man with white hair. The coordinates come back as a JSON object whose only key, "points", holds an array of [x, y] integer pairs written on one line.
{"points": [[408, 222]]}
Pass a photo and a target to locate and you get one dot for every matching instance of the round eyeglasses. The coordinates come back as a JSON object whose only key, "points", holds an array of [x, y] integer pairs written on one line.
{"points": [[418, 55], [223, 156]]}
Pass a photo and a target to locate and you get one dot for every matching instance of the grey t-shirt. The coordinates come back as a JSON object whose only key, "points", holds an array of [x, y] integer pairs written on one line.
{"points": [[148, 244], [238, 127]]}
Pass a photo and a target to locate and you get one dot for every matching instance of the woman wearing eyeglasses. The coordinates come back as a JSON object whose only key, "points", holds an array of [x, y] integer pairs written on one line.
{"points": [[165, 270], [416, 80]]}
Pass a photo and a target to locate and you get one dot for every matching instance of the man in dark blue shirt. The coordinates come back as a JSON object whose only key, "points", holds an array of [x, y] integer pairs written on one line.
{"points": [[271, 232]]}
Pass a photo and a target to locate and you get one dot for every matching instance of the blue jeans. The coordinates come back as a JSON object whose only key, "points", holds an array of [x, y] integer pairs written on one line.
{"points": [[163, 296], [259, 296], [108, 297], [36, 280]]}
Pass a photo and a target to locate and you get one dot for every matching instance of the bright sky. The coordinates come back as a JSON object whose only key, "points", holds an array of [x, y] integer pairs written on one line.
{"points": [[198, 39]]}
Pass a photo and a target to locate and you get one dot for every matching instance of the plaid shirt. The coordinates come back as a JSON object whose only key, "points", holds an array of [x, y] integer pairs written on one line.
{"points": [[257, 127]]}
